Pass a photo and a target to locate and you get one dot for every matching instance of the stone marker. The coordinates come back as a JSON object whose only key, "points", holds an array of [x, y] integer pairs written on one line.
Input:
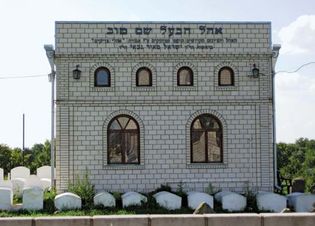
{"points": [[231, 201], [132, 198], [268, 201], [291, 198], [302, 202], [33, 198], [105, 199], [44, 172], [20, 172], [67, 201], [203, 208], [1, 174], [168, 200], [6, 184], [6, 198], [195, 198], [46, 183], [17, 186], [33, 181]]}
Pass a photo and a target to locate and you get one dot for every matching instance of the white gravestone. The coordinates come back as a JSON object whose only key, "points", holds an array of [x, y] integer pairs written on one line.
{"points": [[6, 184], [1, 174], [44, 172], [231, 201], [18, 186], [105, 199], [46, 183], [132, 198], [303, 202], [195, 198], [168, 200], [268, 201], [33, 181], [33, 198], [20, 172], [6, 198], [67, 201], [292, 196]]}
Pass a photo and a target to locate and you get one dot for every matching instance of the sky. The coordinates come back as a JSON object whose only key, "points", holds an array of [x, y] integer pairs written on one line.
{"points": [[26, 25]]}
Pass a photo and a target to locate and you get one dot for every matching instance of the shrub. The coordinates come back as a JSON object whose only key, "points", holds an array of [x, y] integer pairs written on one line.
{"points": [[84, 189], [49, 197]]}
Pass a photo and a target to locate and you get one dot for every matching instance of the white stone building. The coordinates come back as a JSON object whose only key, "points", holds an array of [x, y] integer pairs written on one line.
{"points": [[165, 102]]}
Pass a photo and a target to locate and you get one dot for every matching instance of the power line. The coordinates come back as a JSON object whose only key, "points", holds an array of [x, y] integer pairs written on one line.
{"points": [[299, 68], [21, 76]]}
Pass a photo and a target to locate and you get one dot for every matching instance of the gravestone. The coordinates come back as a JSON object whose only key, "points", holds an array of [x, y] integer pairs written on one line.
{"points": [[195, 198], [1, 174], [105, 199], [231, 201], [268, 201], [33, 181], [33, 198], [132, 198], [168, 200], [46, 183], [17, 186], [6, 184], [302, 202], [291, 198], [6, 198], [67, 201], [44, 172], [20, 172]]}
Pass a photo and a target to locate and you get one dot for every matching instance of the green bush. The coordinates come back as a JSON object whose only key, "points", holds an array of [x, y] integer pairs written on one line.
{"points": [[84, 189], [49, 197]]}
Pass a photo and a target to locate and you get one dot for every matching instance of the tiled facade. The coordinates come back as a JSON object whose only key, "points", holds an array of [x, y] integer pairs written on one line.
{"points": [[165, 111]]}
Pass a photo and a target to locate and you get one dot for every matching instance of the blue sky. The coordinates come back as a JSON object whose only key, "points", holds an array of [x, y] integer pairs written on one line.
{"points": [[27, 25]]}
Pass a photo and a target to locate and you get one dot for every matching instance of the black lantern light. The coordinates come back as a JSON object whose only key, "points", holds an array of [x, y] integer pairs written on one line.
{"points": [[255, 71], [76, 72]]}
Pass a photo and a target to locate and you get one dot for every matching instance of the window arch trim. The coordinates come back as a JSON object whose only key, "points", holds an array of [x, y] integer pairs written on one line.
{"points": [[232, 76], [191, 74], [138, 74], [96, 76]]}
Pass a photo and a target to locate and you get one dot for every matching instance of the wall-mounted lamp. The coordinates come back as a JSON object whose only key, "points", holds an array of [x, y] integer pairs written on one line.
{"points": [[76, 72], [255, 72]]}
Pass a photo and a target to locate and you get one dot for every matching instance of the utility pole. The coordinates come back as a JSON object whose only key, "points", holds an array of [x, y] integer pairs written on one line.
{"points": [[23, 143]]}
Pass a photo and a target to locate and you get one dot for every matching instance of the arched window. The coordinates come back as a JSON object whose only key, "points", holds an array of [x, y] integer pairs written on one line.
{"points": [[185, 77], [144, 77], [226, 77], [206, 139], [102, 77], [123, 144]]}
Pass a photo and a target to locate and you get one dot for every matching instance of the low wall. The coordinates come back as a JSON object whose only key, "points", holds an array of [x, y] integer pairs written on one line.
{"points": [[286, 219]]}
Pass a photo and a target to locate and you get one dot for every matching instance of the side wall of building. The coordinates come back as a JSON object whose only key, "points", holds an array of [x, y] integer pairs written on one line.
{"points": [[164, 113]]}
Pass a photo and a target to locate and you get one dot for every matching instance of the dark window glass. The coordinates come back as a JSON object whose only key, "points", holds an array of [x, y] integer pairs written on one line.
{"points": [[123, 141], [206, 139], [226, 77], [144, 77], [185, 77], [102, 77]]}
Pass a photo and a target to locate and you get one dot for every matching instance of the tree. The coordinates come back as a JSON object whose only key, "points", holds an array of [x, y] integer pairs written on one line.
{"points": [[5, 154]]}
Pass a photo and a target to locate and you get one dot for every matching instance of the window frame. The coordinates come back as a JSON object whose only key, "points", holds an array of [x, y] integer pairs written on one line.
{"points": [[232, 76], [95, 77], [191, 76], [123, 131], [137, 76], [206, 131]]}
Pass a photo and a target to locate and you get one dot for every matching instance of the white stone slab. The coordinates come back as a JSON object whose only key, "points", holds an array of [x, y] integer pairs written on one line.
{"points": [[302, 202], [268, 201], [6, 184], [18, 186], [105, 199], [231, 201], [6, 198], [33, 198], [1, 174], [291, 198], [46, 183], [20, 172], [132, 198], [67, 201], [168, 200], [195, 198], [44, 172]]}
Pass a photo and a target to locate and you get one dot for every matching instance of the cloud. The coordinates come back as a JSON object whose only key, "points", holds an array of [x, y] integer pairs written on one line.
{"points": [[299, 36]]}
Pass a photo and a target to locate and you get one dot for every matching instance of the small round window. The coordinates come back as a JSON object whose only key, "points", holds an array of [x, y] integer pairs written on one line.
{"points": [[226, 77], [185, 77], [144, 77], [102, 77]]}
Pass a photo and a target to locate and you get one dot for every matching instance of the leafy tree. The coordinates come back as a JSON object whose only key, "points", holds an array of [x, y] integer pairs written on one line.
{"points": [[5, 153]]}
